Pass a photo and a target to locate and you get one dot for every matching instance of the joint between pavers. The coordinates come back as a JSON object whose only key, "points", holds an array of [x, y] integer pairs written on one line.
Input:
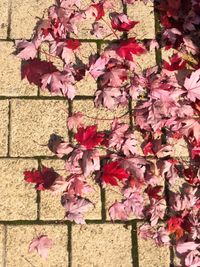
{"points": [[69, 245], [70, 112], [9, 129], [4, 246], [134, 239], [9, 19]]}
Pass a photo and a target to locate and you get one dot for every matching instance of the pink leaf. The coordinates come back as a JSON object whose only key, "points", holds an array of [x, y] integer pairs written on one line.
{"points": [[186, 247], [41, 244], [117, 212], [192, 85]]}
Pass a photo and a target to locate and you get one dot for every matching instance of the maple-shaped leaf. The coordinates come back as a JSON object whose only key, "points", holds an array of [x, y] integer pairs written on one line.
{"points": [[90, 162], [176, 63], [193, 258], [117, 212], [41, 245], [111, 172], [192, 85], [189, 127], [74, 121], [130, 47], [121, 22], [33, 70], [76, 208], [43, 179], [192, 175], [59, 185], [98, 67], [72, 44], [27, 50], [186, 246], [89, 137], [77, 185], [156, 210], [114, 77], [107, 97], [134, 204], [153, 192], [175, 226], [145, 231]]}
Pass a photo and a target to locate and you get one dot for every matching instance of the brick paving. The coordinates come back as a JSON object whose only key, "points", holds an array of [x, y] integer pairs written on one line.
{"points": [[27, 119]]}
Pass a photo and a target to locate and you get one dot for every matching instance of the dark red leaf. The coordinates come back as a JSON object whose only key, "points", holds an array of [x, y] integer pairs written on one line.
{"points": [[176, 63], [34, 69], [43, 179], [153, 192]]}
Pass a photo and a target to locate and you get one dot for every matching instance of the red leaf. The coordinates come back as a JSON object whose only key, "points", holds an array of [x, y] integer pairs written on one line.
{"points": [[34, 69], [176, 63], [43, 179], [121, 22], [174, 226], [100, 10], [72, 44], [89, 137], [128, 48], [112, 172], [148, 149]]}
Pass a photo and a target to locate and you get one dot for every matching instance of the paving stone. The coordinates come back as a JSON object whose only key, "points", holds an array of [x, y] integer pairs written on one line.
{"points": [[18, 198], [88, 85], [4, 5], [44, 55], [4, 118], [25, 16], [85, 27], [32, 123], [19, 238], [101, 245], [145, 29], [145, 61], [100, 116], [10, 73], [51, 208], [151, 255], [2, 247]]}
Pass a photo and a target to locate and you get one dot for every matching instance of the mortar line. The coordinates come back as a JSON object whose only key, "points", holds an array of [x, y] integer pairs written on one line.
{"points": [[9, 18], [70, 112], [35, 97], [56, 158], [159, 63], [135, 250], [38, 193], [67, 222], [103, 41], [69, 245], [5, 246], [9, 128]]}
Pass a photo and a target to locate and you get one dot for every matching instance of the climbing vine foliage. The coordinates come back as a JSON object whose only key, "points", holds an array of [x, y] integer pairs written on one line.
{"points": [[139, 160]]}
